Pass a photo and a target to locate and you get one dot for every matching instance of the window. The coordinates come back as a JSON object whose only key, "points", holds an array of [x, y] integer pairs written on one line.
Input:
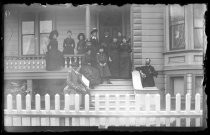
{"points": [[198, 14], [198, 85], [177, 27], [36, 27], [28, 35], [178, 85], [45, 27]]}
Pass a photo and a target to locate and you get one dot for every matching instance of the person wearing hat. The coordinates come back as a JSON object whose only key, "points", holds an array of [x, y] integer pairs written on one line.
{"points": [[89, 71], [54, 58], [114, 57], [102, 62], [81, 44], [68, 44], [94, 41]]}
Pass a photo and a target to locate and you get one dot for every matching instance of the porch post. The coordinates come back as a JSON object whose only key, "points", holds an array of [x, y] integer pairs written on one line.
{"points": [[189, 83], [87, 24]]}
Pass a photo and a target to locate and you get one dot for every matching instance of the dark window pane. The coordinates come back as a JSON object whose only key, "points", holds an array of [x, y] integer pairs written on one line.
{"points": [[28, 27], [44, 40], [28, 45], [198, 38], [177, 37]]}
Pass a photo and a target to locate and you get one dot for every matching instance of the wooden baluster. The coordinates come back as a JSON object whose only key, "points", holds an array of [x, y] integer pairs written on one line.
{"points": [[66, 66], [29, 63], [34, 63], [80, 61], [24, 64], [6, 64], [20, 64], [11, 64], [15, 62], [70, 62], [37, 63]]}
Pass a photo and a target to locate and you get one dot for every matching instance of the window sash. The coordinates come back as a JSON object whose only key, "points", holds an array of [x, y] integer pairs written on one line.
{"points": [[28, 44]]}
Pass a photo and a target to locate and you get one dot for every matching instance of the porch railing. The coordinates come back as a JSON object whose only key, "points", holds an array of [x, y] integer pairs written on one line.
{"points": [[108, 110], [34, 63]]}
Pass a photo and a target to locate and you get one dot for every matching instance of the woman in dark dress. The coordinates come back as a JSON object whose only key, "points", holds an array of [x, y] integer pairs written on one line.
{"points": [[114, 58], [125, 59], [89, 71], [54, 58], [81, 44], [68, 44], [94, 41]]}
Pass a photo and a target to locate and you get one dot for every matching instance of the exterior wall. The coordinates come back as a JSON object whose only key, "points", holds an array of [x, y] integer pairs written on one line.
{"points": [[70, 19], [11, 32], [148, 37]]}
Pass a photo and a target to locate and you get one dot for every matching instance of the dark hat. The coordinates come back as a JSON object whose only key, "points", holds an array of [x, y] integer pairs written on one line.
{"points": [[94, 30], [52, 33], [81, 34]]}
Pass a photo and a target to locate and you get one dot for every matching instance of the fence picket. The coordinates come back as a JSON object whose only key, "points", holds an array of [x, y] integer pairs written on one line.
{"points": [[96, 102], [157, 103], [37, 102], [188, 122], [117, 103], [47, 102], [19, 102], [77, 108], [147, 102], [9, 103], [187, 103], [107, 102], [67, 99], [137, 103], [197, 109], [87, 104], [178, 102], [168, 102], [127, 103], [57, 102], [28, 102]]}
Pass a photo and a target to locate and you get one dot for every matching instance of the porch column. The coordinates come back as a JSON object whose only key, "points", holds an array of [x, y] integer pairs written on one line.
{"points": [[189, 83], [87, 24]]}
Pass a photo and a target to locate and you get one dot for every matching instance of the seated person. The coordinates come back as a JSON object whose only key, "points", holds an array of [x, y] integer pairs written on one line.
{"points": [[90, 72], [75, 84], [102, 65], [147, 73]]}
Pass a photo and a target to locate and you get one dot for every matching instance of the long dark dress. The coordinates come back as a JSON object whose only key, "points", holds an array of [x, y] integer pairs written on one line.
{"points": [[115, 63], [125, 60], [95, 45], [105, 43], [54, 58], [150, 72], [90, 72], [68, 46], [104, 70], [81, 45]]}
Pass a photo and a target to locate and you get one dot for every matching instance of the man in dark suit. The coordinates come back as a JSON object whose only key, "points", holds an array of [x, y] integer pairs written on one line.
{"points": [[147, 73]]}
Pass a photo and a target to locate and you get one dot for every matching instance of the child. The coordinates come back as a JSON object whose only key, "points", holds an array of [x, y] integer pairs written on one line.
{"points": [[102, 62]]}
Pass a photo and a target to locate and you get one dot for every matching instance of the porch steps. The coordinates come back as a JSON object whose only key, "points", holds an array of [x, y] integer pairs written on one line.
{"points": [[118, 86]]}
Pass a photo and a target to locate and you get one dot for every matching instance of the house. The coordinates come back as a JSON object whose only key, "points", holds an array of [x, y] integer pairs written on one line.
{"points": [[171, 35]]}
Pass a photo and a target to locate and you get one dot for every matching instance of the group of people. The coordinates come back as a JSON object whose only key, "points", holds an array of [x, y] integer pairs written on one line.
{"points": [[102, 60]]}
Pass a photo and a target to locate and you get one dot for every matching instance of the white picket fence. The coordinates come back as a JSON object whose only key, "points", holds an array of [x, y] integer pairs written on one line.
{"points": [[108, 110]]}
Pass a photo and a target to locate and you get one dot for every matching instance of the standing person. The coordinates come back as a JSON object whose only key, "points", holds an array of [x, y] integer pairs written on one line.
{"points": [[125, 59], [90, 47], [68, 44], [54, 58], [103, 67], [81, 44], [106, 41], [94, 41], [114, 58], [89, 71], [147, 73]]}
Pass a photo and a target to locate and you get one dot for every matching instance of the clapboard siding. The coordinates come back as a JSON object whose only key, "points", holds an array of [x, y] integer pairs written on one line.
{"points": [[73, 20], [11, 34], [147, 9], [148, 27], [148, 21], [147, 15], [148, 32], [148, 37]]}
